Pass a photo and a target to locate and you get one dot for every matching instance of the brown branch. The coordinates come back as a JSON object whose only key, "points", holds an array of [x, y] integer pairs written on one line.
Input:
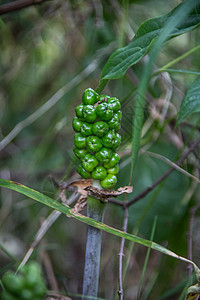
{"points": [[16, 5], [164, 176]]}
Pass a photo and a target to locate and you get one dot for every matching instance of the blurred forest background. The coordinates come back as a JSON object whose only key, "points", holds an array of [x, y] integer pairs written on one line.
{"points": [[49, 54]]}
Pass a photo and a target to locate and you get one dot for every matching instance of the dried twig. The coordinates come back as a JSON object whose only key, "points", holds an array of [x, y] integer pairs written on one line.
{"points": [[16, 5]]}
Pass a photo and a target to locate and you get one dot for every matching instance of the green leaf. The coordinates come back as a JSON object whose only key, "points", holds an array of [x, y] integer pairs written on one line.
{"points": [[191, 102], [18, 187], [125, 57], [176, 24]]}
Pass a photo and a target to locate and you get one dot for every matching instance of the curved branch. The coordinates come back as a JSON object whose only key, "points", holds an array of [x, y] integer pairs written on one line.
{"points": [[16, 5]]}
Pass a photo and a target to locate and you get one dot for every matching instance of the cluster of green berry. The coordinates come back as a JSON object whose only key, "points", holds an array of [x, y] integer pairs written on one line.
{"points": [[26, 285], [96, 123]]}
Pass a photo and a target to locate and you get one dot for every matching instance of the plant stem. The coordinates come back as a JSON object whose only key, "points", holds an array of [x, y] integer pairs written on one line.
{"points": [[176, 60], [95, 210], [101, 85]]}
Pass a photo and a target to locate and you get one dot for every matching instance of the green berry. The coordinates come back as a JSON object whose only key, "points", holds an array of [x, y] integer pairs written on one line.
{"points": [[79, 141], [109, 181], [100, 128], [86, 129], [89, 162], [32, 274], [114, 122], [80, 170], [109, 139], [114, 170], [89, 113], [114, 103], [104, 111], [76, 123], [117, 141], [26, 294], [113, 161], [99, 173], [80, 153], [12, 282], [94, 143], [119, 115], [79, 110], [104, 155], [90, 96]]}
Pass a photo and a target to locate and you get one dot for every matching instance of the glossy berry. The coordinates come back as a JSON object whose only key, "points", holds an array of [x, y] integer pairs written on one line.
{"points": [[114, 104], [79, 110], [80, 170], [109, 139], [93, 143], [89, 162], [114, 123], [104, 155], [100, 128], [80, 153], [104, 111], [114, 170], [119, 115], [76, 123], [86, 129], [90, 96], [117, 141], [79, 141], [89, 113], [113, 161], [109, 181], [99, 173]]}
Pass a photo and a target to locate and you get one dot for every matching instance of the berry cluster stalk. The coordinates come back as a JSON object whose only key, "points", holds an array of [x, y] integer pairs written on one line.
{"points": [[95, 210]]}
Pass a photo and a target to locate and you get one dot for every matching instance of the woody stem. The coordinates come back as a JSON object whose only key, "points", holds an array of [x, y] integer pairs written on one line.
{"points": [[95, 210]]}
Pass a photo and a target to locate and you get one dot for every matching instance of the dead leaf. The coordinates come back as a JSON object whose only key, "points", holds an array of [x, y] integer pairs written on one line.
{"points": [[79, 186], [80, 204], [103, 195]]}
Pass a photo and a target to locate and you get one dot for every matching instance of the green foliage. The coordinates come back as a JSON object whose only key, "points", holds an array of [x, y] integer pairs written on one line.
{"points": [[191, 101], [148, 32]]}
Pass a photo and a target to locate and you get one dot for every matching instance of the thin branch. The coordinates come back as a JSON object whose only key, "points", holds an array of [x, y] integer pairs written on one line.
{"points": [[121, 254], [16, 5], [191, 221], [164, 176]]}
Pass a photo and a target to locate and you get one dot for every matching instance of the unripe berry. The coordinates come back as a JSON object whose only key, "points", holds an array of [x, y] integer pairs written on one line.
{"points": [[96, 123]]}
